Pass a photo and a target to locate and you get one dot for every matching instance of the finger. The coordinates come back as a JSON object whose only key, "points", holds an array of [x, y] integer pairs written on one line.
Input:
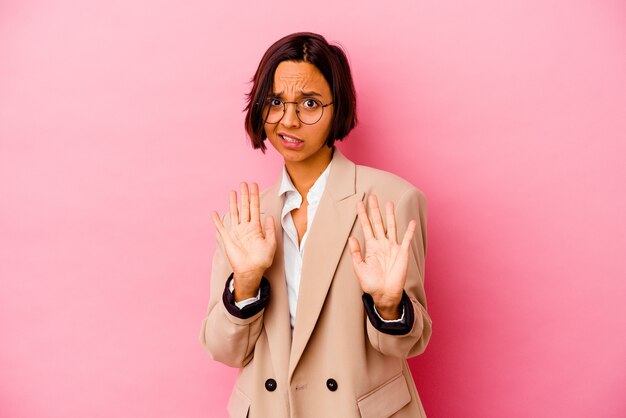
{"points": [[365, 222], [377, 219], [408, 235], [255, 204], [392, 232], [355, 251], [232, 207], [244, 213], [218, 224]]}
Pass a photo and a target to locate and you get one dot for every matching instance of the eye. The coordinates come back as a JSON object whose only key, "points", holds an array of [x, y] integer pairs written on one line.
{"points": [[310, 103], [275, 102]]}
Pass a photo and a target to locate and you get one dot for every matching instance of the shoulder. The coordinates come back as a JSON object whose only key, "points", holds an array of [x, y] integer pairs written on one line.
{"points": [[270, 200], [410, 202], [371, 180]]}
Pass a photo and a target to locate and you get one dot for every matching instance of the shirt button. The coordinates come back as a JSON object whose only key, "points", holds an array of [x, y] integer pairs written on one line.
{"points": [[331, 384], [270, 385]]}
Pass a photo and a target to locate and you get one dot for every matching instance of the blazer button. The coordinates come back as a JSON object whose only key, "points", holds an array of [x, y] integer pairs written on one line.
{"points": [[331, 384], [270, 385]]}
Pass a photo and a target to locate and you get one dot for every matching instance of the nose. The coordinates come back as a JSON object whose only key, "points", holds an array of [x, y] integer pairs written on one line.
{"points": [[290, 118]]}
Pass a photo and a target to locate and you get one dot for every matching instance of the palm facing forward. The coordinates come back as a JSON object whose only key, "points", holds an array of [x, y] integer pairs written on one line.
{"points": [[250, 251], [382, 272]]}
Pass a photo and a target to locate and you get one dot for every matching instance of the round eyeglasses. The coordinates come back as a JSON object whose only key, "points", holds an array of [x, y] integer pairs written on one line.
{"points": [[308, 110]]}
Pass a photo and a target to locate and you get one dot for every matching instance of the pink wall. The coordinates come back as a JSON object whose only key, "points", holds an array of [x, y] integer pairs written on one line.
{"points": [[121, 129]]}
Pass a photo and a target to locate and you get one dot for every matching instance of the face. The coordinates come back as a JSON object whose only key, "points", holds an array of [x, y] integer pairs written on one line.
{"points": [[297, 142]]}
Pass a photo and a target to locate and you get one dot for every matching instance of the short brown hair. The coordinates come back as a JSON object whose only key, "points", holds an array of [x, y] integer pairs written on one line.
{"points": [[332, 63]]}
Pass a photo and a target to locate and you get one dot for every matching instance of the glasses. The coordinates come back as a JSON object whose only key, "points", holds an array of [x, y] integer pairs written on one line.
{"points": [[308, 110]]}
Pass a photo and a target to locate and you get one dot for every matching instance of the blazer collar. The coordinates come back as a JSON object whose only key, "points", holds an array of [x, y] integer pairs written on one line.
{"points": [[326, 242], [341, 181]]}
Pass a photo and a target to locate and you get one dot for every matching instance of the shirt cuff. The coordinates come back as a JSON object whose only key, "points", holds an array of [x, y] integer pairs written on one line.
{"points": [[242, 304], [394, 327], [250, 309], [401, 319]]}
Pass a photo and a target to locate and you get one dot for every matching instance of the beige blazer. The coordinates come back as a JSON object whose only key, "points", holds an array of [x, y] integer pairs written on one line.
{"points": [[337, 364]]}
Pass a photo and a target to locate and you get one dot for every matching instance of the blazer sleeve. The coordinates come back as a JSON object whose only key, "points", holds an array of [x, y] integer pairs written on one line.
{"points": [[411, 340], [227, 333]]}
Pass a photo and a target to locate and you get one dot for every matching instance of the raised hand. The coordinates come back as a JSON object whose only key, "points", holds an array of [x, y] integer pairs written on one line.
{"points": [[382, 272], [249, 247]]}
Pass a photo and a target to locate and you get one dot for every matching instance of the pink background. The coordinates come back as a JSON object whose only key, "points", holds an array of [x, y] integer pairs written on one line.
{"points": [[121, 129]]}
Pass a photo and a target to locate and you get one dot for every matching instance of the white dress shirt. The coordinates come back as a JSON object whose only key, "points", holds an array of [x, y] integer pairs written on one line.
{"points": [[294, 253]]}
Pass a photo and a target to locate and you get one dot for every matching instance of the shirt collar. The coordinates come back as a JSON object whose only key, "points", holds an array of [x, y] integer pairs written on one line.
{"points": [[315, 192]]}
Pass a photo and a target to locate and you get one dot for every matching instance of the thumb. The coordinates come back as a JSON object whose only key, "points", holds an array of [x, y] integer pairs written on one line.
{"points": [[357, 260], [221, 230], [355, 251]]}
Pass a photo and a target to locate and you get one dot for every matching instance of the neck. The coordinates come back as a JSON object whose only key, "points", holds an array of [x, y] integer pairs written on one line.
{"points": [[303, 174]]}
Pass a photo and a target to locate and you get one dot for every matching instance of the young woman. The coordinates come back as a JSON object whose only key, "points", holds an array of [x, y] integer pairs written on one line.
{"points": [[319, 325]]}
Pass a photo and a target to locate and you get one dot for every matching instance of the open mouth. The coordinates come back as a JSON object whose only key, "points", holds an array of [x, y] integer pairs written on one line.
{"points": [[290, 139]]}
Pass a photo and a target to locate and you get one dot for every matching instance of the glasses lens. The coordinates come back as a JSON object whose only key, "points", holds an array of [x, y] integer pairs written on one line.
{"points": [[310, 111], [274, 111]]}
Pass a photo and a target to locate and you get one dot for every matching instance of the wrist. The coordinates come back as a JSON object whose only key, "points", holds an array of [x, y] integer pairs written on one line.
{"points": [[389, 313], [245, 286], [248, 310], [388, 309]]}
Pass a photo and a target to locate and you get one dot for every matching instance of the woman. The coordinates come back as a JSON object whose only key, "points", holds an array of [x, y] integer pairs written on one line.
{"points": [[318, 326]]}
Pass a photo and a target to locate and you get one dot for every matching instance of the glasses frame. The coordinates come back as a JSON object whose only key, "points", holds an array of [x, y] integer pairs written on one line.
{"points": [[297, 111]]}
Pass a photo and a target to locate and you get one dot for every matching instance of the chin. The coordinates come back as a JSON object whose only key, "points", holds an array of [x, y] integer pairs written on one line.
{"points": [[294, 156]]}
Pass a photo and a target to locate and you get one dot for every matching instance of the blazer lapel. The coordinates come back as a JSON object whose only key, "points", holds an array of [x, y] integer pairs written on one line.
{"points": [[276, 316], [326, 241]]}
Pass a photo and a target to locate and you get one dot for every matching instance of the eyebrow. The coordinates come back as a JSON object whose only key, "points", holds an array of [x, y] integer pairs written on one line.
{"points": [[302, 94]]}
